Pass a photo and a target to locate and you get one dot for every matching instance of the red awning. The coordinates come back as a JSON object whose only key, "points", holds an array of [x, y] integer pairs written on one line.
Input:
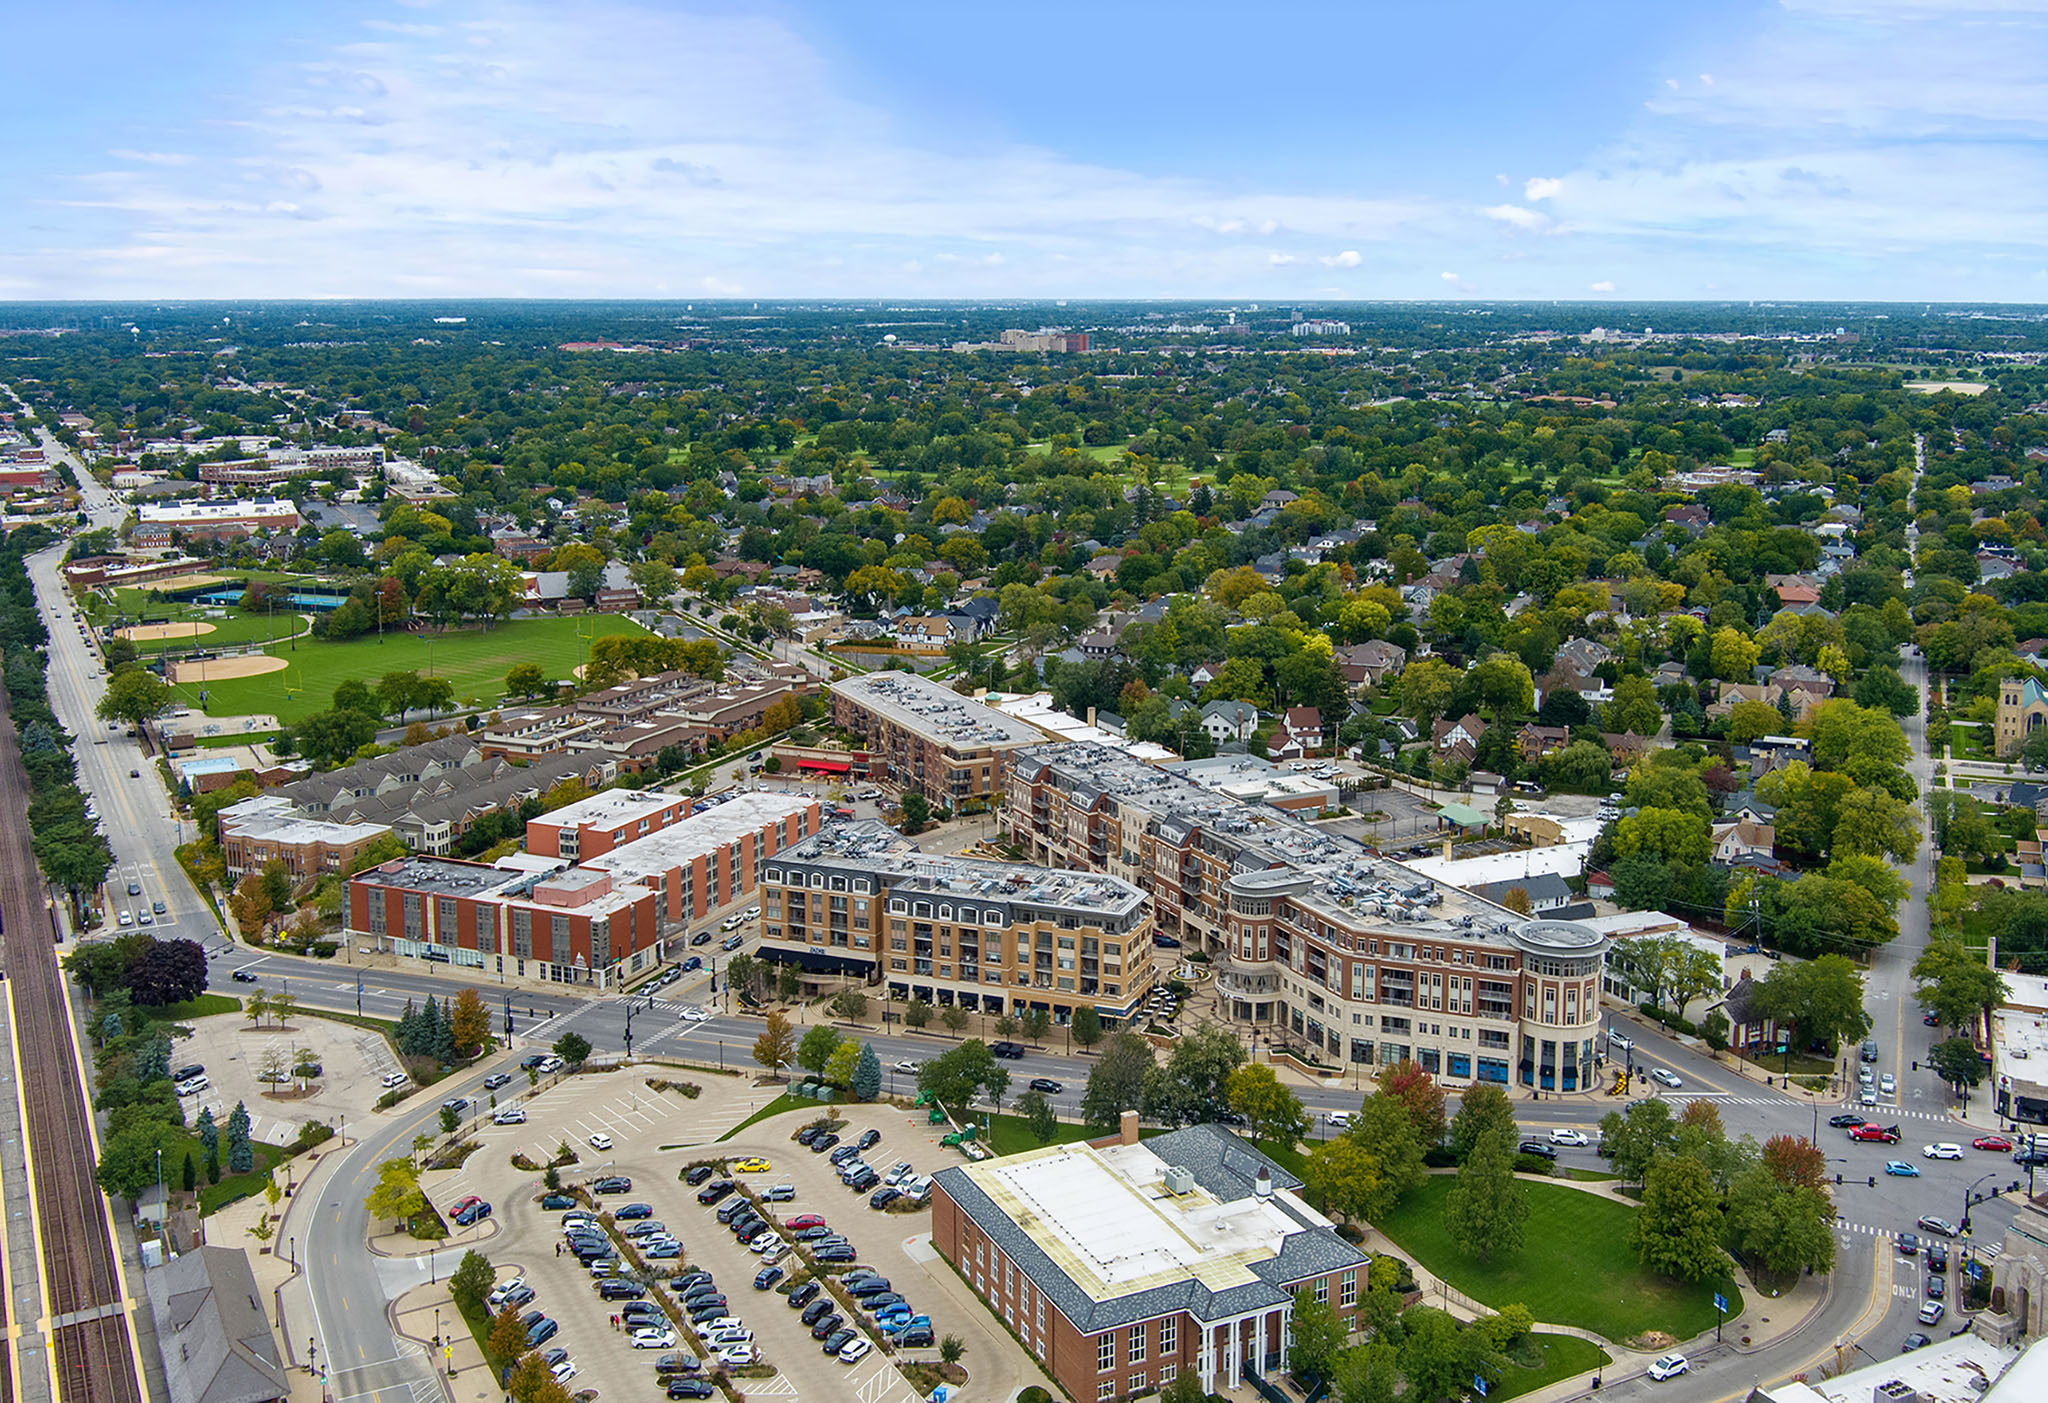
{"points": [[836, 767]]}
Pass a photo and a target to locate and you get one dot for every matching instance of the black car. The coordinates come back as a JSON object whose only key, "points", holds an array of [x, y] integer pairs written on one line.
{"points": [[1537, 1147], [617, 1184], [812, 1233], [702, 937], [679, 1361], [558, 1201], [876, 1304], [1011, 1050], [695, 1277], [690, 1386], [1937, 1287], [841, 1253], [868, 1141], [618, 1288], [883, 1197], [1844, 1120], [826, 1324], [823, 1143], [808, 1134], [838, 1340], [916, 1338], [818, 1311], [699, 1175], [709, 1310], [245, 976], [699, 1291], [711, 1193], [866, 1285], [765, 1279], [803, 1295], [2036, 1156], [631, 1211], [1047, 1085], [1937, 1257], [1914, 1341]]}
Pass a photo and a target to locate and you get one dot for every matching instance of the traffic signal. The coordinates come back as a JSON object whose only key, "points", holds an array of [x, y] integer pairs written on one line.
{"points": [[1873, 1181], [1916, 1066], [1838, 1179]]}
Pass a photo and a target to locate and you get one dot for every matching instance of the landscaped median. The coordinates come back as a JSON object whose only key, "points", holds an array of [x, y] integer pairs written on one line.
{"points": [[1576, 1265]]}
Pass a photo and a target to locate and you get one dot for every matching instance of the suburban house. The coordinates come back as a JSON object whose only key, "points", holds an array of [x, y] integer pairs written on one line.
{"points": [[1227, 721]]}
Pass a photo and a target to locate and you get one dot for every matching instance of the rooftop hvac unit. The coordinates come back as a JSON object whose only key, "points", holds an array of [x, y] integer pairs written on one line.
{"points": [[1179, 1179]]}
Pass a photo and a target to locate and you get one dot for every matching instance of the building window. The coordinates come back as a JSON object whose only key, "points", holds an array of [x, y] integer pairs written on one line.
{"points": [[1323, 1289], [1137, 1354], [1347, 1289], [1105, 1351], [1169, 1341], [1137, 1383], [1167, 1374], [1105, 1389]]}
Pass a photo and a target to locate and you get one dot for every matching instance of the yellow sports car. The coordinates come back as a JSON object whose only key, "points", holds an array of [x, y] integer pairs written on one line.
{"points": [[753, 1166]]}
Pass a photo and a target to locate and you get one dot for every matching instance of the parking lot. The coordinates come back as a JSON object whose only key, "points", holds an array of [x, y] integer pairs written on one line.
{"points": [[234, 1052], [655, 1135]]}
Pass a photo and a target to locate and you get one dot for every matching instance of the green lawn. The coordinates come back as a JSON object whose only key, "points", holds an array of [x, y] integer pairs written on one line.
{"points": [[474, 660], [1575, 1267], [784, 1102], [1010, 1135], [1564, 1356]]}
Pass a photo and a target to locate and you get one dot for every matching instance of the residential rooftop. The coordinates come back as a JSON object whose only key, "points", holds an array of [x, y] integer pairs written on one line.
{"points": [[610, 808], [871, 845], [1271, 850], [684, 842], [444, 876], [935, 711]]}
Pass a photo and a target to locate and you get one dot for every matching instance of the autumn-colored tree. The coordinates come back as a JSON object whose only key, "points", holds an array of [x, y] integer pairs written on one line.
{"points": [[1795, 1161], [250, 904], [470, 1023], [1420, 1097]]}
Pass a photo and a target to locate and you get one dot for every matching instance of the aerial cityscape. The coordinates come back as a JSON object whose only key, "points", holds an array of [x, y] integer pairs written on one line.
{"points": [[1349, 735]]}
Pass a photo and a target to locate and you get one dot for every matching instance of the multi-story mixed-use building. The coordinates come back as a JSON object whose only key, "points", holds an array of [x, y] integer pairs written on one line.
{"points": [[1316, 939], [860, 899], [923, 736], [1124, 1264]]}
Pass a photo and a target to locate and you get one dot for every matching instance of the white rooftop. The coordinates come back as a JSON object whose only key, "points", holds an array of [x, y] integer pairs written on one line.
{"points": [[684, 842], [612, 807], [1953, 1370], [1036, 709], [935, 711], [1108, 1219], [1562, 859]]}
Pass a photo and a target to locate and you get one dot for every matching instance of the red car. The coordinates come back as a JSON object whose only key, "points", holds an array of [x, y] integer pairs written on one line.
{"points": [[804, 1220], [1991, 1142], [469, 1202], [1887, 1135]]}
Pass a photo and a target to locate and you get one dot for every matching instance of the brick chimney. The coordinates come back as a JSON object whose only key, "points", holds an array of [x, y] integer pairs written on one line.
{"points": [[1127, 1131]]}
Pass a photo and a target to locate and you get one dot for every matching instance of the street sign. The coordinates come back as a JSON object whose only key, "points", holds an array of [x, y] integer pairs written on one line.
{"points": [[1479, 1385], [1720, 1303]]}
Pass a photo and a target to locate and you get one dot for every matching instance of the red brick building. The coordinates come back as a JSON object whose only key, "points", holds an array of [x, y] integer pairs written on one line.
{"points": [[713, 858], [602, 822], [1122, 1264]]}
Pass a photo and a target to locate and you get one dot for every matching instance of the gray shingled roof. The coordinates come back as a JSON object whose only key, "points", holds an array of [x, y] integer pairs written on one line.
{"points": [[1225, 1167], [215, 1338]]}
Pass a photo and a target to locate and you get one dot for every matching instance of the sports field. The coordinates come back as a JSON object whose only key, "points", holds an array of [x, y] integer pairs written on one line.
{"points": [[475, 661], [233, 629]]}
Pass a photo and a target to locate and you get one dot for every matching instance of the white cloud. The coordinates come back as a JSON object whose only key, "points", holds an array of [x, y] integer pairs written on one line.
{"points": [[1517, 215], [1542, 188], [720, 287], [1707, 80], [1450, 277], [1604, 285], [152, 158], [1279, 260], [1349, 258]]}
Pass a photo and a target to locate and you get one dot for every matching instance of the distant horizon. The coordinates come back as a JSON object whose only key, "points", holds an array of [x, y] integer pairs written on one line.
{"points": [[1265, 304], [1863, 151]]}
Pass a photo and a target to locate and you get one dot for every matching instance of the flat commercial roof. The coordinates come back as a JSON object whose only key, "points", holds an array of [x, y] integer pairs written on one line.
{"points": [[684, 842], [936, 712], [442, 876], [612, 807]]}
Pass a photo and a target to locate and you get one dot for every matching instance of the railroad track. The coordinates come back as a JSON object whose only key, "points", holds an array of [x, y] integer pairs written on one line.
{"points": [[92, 1353]]}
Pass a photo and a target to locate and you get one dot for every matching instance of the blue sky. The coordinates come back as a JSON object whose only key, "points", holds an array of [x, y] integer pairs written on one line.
{"points": [[799, 148]]}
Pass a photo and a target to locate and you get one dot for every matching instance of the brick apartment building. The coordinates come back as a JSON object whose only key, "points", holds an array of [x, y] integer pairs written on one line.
{"points": [[925, 737], [569, 926], [596, 825], [267, 826], [1122, 1264], [715, 857]]}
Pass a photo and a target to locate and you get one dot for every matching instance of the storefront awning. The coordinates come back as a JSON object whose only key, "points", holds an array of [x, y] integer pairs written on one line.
{"points": [[818, 962], [834, 767]]}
